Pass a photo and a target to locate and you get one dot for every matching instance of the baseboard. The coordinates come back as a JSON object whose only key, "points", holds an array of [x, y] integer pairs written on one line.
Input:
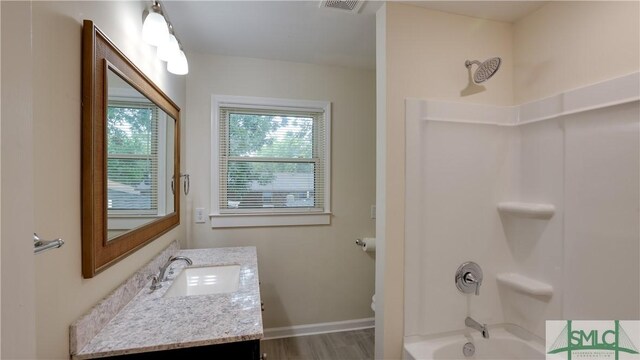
{"points": [[320, 328]]}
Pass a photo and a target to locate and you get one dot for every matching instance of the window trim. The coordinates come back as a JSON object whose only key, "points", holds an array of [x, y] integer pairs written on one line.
{"points": [[262, 218]]}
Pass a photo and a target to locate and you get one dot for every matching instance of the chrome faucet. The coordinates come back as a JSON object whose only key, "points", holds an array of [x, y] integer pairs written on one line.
{"points": [[158, 279], [470, 279], [477, 326]]}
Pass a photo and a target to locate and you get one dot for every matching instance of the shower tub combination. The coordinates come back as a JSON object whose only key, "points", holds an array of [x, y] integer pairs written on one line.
{"points": [[506, 342], [483, 183]]}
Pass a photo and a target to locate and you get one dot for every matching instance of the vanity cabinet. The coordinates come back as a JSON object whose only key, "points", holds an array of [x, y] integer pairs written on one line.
{"points": [[242, 350], [160, 324]]}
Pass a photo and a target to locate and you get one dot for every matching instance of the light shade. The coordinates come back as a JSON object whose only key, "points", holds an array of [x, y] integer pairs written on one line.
{"points": [[178, 65], [169, 50], [155, 30]]}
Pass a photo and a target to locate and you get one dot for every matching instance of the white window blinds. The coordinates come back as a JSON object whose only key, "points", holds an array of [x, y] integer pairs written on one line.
{"points": [[132, 157], [271, 160]]}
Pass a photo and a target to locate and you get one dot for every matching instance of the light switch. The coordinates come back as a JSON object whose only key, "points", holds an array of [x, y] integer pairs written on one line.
{"points": [[373, 211], [199, 216]]}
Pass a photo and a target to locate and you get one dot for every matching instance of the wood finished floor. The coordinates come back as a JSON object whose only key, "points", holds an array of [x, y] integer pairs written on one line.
{"points": [[348, 345]]}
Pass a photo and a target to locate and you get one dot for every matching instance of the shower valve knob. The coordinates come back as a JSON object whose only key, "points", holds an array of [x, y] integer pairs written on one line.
{"points": [[469, 278]]}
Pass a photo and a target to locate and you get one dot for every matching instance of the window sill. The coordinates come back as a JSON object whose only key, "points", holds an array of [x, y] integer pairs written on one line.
{"points": [[128, 222], [261, 220]]}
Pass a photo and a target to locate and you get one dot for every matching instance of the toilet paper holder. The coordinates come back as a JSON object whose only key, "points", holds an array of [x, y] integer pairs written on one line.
{"points": [[366, 244]]}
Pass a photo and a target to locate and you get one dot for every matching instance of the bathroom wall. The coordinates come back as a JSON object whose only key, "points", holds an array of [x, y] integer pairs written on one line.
{"points": [[568, 44], [425, 55], [61, 294], [0, 191], [558, 47], [18, 292], [308, 274], [381, 182], [561, 46]]}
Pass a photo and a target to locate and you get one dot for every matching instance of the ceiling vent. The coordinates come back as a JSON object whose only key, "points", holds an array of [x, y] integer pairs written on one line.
{"points": [[351, 6]]}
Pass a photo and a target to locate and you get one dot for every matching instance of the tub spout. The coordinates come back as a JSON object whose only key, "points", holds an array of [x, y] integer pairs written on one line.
{"points": [[469, 322]]}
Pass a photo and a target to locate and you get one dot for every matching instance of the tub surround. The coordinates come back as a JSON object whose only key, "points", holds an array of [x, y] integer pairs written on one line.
{"points": [[525, 284], [152, 322], [563, 174], [527, 210]]}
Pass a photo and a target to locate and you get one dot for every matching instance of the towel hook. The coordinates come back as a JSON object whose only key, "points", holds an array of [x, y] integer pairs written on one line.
{"points": [[186, 186]]}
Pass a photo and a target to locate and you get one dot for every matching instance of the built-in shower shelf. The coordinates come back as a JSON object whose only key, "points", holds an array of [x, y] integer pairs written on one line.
{"points": [[527, 210], [524, 284]]}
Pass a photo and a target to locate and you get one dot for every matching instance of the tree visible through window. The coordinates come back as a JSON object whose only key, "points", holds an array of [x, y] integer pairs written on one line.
{"points": [[271, 160], [132, 161]]}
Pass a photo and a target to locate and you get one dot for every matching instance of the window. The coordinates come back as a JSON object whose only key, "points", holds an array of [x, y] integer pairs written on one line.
{"points": [[270, 163], [132, 157], [138, 134]]}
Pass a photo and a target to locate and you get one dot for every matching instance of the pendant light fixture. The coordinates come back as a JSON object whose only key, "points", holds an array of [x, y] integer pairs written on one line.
{"points": [[178, 65], [170, 49], [158, 31], [155, 30]]}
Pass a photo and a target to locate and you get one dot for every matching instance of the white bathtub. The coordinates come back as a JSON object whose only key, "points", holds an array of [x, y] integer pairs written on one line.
{"points": [[506, 342]]}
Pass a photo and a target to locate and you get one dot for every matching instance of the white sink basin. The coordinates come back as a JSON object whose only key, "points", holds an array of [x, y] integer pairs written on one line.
{"points": [[205, 280]]}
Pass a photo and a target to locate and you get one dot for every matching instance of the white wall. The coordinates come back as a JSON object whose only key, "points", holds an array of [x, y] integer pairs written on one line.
{"points": [[569, 44], [0, 193], [61, 294], [18, 292], [424, 58], [381, 168], [0, 196], [308, 274]]}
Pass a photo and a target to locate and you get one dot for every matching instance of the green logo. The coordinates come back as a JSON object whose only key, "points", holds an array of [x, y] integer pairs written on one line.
{"points": [[615, 340]]}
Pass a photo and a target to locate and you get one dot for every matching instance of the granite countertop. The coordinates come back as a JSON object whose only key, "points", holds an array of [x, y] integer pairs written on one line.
{"points": [[151, 322]]}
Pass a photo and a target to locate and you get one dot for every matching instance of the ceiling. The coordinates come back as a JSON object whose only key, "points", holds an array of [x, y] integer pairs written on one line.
{"points": [[508, 11], [297, 31], [301, 31]]}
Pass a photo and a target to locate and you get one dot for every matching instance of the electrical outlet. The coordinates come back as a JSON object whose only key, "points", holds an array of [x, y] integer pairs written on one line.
{"points": [[199, 216], [373, 211]]}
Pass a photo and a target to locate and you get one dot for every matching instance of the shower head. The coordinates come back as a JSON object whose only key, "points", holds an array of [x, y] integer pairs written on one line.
{"points": [[485, 69]]}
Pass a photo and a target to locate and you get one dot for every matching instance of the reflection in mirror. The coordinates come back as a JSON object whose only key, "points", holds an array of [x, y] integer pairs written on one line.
{"points": [[140, 158]]}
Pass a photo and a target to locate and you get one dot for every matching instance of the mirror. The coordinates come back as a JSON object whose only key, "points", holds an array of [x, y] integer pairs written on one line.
{"points": [[130, 156], [139, 158]]}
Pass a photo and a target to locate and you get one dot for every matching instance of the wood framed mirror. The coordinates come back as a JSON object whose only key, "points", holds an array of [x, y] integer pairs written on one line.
{"points": [[130, 156]]}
